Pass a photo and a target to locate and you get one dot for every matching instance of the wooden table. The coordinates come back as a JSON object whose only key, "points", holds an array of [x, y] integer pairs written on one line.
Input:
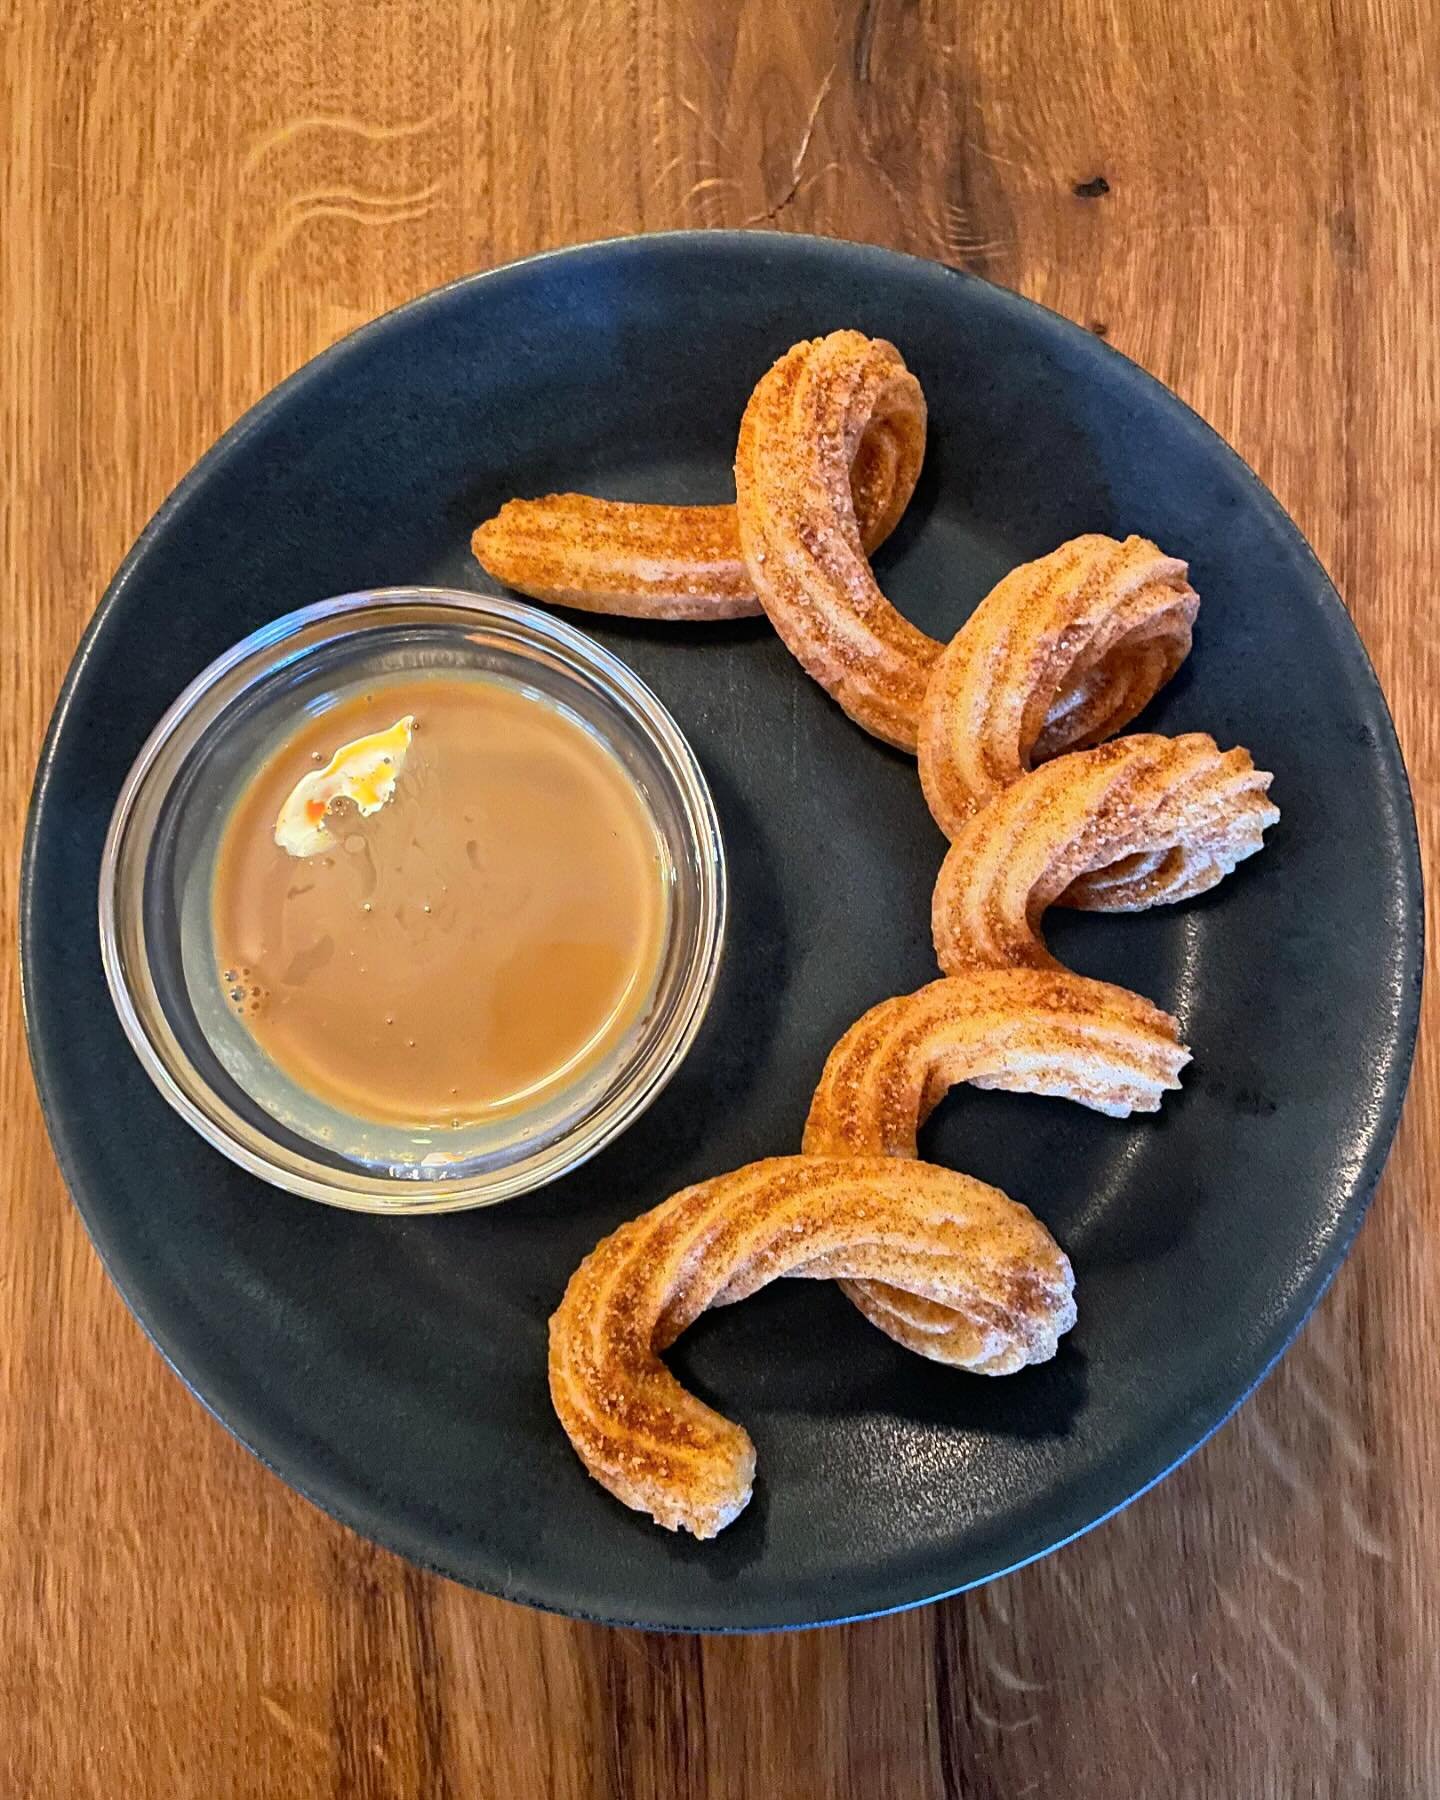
{"points": [[194, 198]]}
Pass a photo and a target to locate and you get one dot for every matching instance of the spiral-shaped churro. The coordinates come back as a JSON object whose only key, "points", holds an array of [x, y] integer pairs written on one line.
{"points": [[669, 562], [1060, 654], [1130, 824], [798, 529], [925, 1231], [1028, 1031]]}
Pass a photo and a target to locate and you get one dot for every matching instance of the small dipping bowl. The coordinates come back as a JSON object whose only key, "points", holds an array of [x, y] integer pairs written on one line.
{"points": [[158, 871]]}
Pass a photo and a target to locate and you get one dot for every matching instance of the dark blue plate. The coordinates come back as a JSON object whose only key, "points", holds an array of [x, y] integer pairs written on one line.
{"points": [[394, 1371]]}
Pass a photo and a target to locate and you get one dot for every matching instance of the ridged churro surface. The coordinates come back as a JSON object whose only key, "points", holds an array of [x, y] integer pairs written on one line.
{"points": [[799, 532], [1128, 825], [924, 1231], [1061, 654]]}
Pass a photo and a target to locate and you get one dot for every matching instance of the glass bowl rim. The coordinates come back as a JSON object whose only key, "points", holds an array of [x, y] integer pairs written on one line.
{"points": [[647, 1073]]}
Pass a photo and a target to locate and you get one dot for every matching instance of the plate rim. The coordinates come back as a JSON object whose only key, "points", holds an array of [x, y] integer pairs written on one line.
{"points": [[1408, 944]]}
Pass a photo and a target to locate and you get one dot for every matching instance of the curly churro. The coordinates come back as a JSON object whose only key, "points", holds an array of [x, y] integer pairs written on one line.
{"points": [[925, 1231], [1028, 1031], [665, 562], [1130, 824], [798, 528], [1060, 654], [1008, 722]]}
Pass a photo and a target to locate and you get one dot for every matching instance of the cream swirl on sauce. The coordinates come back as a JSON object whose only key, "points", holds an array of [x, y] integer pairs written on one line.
{"points": [[363, 771]]}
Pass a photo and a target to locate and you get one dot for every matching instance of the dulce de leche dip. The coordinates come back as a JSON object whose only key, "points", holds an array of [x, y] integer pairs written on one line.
{"points": [[439, 902]]}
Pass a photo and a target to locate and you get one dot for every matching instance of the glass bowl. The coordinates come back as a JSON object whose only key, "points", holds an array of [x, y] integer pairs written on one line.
{"points": [[157, 872]]}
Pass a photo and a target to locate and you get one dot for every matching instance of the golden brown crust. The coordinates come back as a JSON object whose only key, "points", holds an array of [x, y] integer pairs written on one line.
{"points": [[613, 556], [1061, 654], [1025, 1030], [1029, 1031], [927, 1232], [1131, 824], [798, 527], [664, 562]]}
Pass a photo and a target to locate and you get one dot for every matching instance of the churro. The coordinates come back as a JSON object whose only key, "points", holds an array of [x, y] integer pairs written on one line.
{"points": [[798, 528], [1009, 722], [667, 562], [1028, 1031], [1061, 654], [927, 1232], [1130, 824]]}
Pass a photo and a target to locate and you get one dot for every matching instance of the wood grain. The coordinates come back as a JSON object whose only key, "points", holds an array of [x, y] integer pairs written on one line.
{"points": [[195, 199]]}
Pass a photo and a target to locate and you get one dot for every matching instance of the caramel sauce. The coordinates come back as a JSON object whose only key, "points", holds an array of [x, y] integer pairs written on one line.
{"points": [[479, 943]]}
